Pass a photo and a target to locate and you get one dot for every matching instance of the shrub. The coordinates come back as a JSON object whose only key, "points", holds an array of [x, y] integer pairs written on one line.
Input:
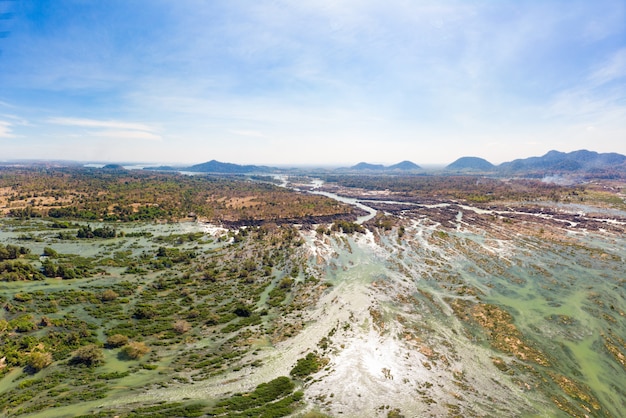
{"points": [[39, 360], [89, 355], [117, 340], [135, 350], [49, 269], [347, 227], [242, 311], [287, 282], [181, 326], [22, 297], [23, 323], [306, 366], [108, 295], [145, 312], [49, 252]]}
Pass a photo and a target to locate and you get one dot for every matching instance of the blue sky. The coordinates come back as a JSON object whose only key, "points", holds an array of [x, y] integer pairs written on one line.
{"points": [[324, 82]]}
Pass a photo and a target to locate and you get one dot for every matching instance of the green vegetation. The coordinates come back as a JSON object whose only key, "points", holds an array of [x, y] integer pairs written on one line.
{"points": [[39, 360], [137, 299], [134, 350], [12, 252], [104, 232], [130, 196], [89, 355], [273, 399], [12, 271], [307, 366], [105, 293], [347, 227], [469, 188]]}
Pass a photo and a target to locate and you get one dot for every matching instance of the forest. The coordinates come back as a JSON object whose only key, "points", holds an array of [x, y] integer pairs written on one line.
{"points": [[120, 195]]}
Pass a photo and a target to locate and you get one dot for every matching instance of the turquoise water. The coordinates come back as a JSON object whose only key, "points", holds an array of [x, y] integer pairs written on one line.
{"points": [[566, 299]]}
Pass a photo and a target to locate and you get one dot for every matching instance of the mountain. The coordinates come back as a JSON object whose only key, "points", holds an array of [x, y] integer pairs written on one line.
{"points": [[405, 166], [575, 161], [113, 167], [402, 166], [366, 166], [163, 168], [470, 164], [214, 166]]}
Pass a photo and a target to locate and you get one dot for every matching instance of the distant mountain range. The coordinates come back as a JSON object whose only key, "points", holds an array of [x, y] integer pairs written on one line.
{"points": [[581, 160], [214, 166], [227, 168], [554, 162], [402, 166], [218, 167]]}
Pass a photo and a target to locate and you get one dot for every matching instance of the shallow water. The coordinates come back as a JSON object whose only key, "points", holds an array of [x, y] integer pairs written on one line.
{"points": [[564, 298]]}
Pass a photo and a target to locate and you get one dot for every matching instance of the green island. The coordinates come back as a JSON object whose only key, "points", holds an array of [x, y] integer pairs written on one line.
{"points": [[149, 294]]}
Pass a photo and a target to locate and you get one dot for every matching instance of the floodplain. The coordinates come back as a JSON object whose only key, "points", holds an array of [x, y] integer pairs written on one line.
{"points": [[504, 299]]}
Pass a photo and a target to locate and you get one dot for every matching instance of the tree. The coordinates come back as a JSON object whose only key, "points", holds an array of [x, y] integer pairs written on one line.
{"points": [[116, 340], [12, 252], [90, 355], [108, 295], [49, 269], [66, 272], [242, 311], [306, 366], [134, 350], [49, 252], [105, 232], [181, 326], [85, 232], [39, 360]]}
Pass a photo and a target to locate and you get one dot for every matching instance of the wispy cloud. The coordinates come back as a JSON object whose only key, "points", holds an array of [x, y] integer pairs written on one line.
{"points": [[5, 104], [5, 130], [121, 134], [600, 95], [610, 70], [112, 129], [262, 80], [248, 133], [94, 123]]}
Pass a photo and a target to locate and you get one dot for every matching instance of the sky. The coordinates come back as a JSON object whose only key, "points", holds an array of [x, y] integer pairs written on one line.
{"points": [[310, 82]]}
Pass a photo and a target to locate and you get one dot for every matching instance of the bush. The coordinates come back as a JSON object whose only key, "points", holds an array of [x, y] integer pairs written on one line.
{"points": [[49, 252], [347, 227], [12, 252], [287, 282], [117, 340], [108, 295], [181, 326], [242, 311], [306, 366], [39, 360], [89, 355], [23, 323], [134, 350], [145, 312]]}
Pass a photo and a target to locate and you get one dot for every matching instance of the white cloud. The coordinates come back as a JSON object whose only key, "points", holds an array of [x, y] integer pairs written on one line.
{"points": [[126, 134], [599, 97], [111, 129], [612, 69], [5, 104], [94, 123], [5, 130], [248, 133]]}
